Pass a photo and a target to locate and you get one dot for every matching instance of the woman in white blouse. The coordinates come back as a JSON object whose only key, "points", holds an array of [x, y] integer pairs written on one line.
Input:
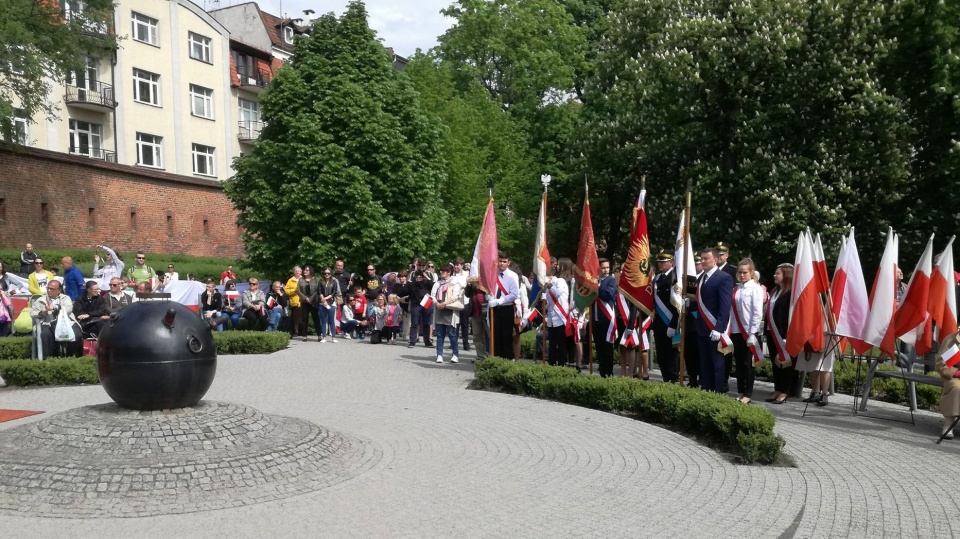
{"points": [[112, 267], [557, 293], [746, 320]]}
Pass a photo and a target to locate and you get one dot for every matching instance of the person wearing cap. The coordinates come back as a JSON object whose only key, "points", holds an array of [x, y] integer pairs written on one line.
{"points": [[722, 264], [714, 293], [666, 319]]}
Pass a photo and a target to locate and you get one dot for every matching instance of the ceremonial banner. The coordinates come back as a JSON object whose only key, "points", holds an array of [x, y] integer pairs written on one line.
{"points": [[486, 255], [588, 265], [879, 330], [912, 312], [636, 279], [541, 255], [820, 265]]}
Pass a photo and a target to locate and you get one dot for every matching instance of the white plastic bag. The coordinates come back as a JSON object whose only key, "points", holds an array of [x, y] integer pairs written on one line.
{"points": [[64, 332]]}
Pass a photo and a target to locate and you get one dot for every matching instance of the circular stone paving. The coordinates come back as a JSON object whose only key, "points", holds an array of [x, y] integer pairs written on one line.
{"points": [[103, 460]]}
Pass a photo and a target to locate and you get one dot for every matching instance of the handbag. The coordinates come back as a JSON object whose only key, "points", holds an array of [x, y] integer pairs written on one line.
{"points": [[64, 331], [375, 337], [23, 325], [90, 347]]}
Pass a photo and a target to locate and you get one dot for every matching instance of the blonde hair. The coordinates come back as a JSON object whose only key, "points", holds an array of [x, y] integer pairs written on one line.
{"points": [[392, 299]]}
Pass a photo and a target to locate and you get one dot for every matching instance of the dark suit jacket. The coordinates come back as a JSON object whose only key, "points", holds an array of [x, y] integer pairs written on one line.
{"points": [[716, 296], [730, 270], [781, 318]]}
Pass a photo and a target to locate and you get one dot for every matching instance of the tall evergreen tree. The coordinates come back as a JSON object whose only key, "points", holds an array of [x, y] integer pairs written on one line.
{"points": [[348, 164]]}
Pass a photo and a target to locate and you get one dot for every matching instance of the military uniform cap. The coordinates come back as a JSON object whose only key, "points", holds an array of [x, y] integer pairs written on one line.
{"points": [[696, 258], [664, 256], [722, 247]]}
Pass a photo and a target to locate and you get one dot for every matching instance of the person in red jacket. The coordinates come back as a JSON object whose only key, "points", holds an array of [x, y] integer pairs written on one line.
{"points": [[359, 303]]}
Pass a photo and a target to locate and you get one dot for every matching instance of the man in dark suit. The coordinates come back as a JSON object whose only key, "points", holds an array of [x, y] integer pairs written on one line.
{"points": [[604, 316], [714, 294], [666, 319], [691, 351], [724, 253]]}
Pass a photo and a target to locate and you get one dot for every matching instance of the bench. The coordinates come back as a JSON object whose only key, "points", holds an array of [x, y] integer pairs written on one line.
{"points": [[907, 364]]}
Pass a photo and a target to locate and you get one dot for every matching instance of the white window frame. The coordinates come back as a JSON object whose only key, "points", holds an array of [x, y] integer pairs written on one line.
{"points": [[204, 163], [94, 135], [204, 98], [152, 144], [249, 110], [288, 34], [152, 80], [20, 130], [200, 47], [148, 26]]}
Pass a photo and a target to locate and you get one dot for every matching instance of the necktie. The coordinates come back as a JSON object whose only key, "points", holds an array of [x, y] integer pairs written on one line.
{"points": [[499, 286]]}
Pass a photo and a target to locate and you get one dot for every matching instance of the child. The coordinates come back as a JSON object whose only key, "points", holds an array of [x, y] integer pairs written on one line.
{"points": [[392, 318], [359, 304], [378, 316]]}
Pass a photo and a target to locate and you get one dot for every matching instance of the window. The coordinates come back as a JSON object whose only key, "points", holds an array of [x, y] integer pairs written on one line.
{"points": [[85, 138], [201, 101], [146, 87], [203, 160], [149, 148], [288, 34], [18, 128], [249, 110], [199, 47], [145, 29]]}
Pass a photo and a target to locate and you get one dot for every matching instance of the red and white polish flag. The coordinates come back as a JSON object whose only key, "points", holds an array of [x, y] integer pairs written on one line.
{"points": [[879, 330], [271, 302], [426, 302], [942, 302], [806, 311], [912, 313], [232, 295], [952, 356], [851, 305]]}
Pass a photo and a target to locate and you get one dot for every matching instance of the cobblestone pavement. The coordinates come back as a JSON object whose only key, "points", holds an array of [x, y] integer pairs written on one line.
{"points": [[459, 463]]}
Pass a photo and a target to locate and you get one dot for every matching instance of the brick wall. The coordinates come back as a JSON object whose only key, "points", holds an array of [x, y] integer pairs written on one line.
{"points": [[56, 200]]}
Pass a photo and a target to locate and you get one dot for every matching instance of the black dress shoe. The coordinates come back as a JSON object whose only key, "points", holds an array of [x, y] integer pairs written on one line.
{"points": [[824, 400], [466, 348], [814, 397]]}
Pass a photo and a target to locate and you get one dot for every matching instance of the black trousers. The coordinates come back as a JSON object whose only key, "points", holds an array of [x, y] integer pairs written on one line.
{"points": [[307, 311], [691, 353], [557, 345], [503, 331], [255, 320], [785, 379], [604, 348], [744, 359], [666, 355]]}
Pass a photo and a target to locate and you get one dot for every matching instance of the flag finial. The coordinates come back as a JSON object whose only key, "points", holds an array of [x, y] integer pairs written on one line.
{"points": [[545, 180]]}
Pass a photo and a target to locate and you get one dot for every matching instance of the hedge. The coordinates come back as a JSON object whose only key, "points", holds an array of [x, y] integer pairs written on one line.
{"points": [[18, 371], [746, 431]]}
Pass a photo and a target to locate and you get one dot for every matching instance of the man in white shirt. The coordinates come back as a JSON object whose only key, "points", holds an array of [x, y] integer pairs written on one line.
{"points": [[504, 312]]}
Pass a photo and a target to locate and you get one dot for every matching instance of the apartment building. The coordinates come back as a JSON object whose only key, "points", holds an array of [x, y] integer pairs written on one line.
{"points": [[162, 100]]}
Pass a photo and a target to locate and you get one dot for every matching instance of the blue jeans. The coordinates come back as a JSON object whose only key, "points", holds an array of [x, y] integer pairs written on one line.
{"points": [[275, 315], [328, 320], [234, 320], [444, 330]]}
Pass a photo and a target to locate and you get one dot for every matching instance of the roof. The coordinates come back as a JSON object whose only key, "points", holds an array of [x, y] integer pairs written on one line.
{"points": [[273, 24]]}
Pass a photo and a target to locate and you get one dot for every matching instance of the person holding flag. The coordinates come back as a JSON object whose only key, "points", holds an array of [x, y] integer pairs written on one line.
{"points": [[746, 319], [505, 293], [557, 317], [666, 319], [604, 317], [714, 290], [277, 303], [948, 366]]}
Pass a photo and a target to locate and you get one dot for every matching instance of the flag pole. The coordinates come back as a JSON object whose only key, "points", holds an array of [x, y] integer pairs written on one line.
{"points": [[545, 180], [683, 285], [489, 310], [589, 310]]}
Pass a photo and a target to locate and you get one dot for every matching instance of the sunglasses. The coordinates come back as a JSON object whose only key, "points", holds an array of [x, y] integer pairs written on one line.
{"points": [[326, 273], [114, 284], [141, 258], [38, 263]]}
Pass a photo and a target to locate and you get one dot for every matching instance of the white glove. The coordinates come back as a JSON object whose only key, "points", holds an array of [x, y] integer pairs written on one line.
{"points": [[671, 332], [493, 302], [715, 335], [752, 340]]}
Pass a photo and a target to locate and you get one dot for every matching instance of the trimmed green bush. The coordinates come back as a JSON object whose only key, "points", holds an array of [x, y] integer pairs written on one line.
{"points": [[14, 348], [746, 431], [52, 372], [250, 342]]}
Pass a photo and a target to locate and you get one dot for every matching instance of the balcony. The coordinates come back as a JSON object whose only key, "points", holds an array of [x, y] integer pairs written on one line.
{"points": [[254, 82], [250, 130], [94, 153], [96, 96]]}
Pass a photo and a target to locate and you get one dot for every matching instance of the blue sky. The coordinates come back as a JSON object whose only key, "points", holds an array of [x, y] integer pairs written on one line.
{"points": [[403, 25]]}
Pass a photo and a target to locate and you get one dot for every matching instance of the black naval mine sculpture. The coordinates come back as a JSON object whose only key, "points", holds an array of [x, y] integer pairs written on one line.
{"points": [[156, 355]]}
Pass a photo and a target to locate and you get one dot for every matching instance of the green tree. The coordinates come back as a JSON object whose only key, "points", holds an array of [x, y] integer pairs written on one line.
{"points": [[479, 142], [348, 165], [42, 44], [923, 69], [772, 109]]}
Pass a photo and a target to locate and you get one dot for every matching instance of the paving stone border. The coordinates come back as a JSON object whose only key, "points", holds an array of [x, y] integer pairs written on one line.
{"points": [[103, 460]]}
